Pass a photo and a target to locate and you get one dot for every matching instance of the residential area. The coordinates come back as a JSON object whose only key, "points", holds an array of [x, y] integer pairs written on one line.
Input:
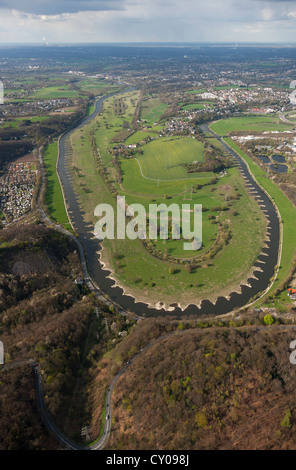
{"points": [[16, 189]]}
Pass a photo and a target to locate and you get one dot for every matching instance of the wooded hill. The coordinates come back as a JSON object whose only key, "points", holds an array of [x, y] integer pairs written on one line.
{"points": [[44, 316], [207, 388]]}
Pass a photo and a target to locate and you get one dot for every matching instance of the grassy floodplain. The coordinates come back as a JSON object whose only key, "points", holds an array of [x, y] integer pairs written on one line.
{"points": [[141, 274], [54, 196], [96, 86], [151, 110], [286, 209], [134, 182], [162, 159]]}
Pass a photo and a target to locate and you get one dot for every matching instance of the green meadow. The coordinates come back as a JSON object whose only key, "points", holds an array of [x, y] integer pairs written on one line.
{"points": [[193, 92], [152, 110], [140, 136], [162, 159], [16, 122], [96, 86], [54, 197], [133, 182], [193, 106], [249, 123], [53, 92]]}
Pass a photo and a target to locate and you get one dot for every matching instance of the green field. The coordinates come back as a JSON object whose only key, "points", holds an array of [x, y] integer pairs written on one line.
{"points": [[226, 87], [16, 122], [207, 198], [53, 92], [201, 105], [96, 86], [250, 124], [152, 110], [139, 136], [90, 109], [193, 92], [133, 182], [162, 158], [157, 176], [54, 197]]}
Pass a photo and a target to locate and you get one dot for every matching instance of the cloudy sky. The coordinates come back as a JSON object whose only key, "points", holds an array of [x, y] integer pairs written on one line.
{"points": [[68, 21]]}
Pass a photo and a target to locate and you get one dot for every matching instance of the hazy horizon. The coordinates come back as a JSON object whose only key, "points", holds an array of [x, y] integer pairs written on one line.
{"points": [[156, 21], [148, 43]]}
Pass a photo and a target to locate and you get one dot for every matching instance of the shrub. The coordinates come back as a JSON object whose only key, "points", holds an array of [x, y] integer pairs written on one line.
{"points": [[268, 319], [201, 420], [286, 421]]}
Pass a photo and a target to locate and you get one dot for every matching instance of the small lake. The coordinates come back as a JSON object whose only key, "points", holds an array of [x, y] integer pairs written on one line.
{"points": [[279, 168], [263, 158], [279, 158]]}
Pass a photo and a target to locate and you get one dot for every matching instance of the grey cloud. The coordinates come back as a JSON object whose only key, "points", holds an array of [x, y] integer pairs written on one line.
{"points": [[57, 7]]}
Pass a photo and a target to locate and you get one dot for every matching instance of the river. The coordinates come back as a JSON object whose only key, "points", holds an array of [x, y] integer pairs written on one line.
{"points": [[266, 261]]}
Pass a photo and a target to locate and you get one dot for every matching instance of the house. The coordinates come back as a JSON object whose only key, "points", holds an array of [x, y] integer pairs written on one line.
{"points": [[292, 293]]}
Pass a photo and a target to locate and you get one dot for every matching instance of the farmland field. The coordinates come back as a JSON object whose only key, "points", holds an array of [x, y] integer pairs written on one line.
{"points": [[53, 92]]}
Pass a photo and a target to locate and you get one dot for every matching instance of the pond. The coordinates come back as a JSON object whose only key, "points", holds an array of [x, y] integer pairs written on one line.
{"points": [[263, 158], [279, 168], [279, 158]]}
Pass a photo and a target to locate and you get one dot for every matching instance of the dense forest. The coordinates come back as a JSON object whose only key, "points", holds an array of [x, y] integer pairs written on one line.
{"points": [[44, 316], [47, 317], [212, 388]]}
